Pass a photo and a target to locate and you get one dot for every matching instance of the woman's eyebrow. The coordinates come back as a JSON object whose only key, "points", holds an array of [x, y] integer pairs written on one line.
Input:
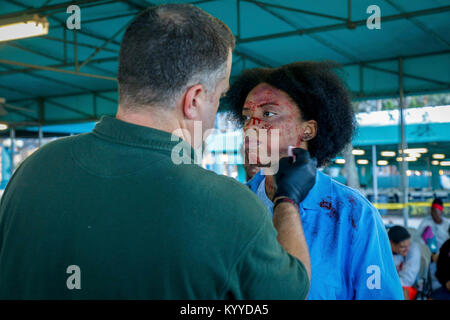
{"points": [[268, 104]]}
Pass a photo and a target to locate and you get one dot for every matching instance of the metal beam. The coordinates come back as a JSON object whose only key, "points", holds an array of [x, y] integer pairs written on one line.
{"points": [[33, 51], [70, 85], [339, 26], [297, 10], [238, 18], [420, 25], [59, 7], [49, 122], [345, 54], [62, 65], [63, 106], [403, 143], [42, 54], [117, 16], [100, 48], [252, 58], [313, 36], [407, 75], [80, 44], [410, 56], [26, 93], [75, 94], [33, 66], [63, 23]]}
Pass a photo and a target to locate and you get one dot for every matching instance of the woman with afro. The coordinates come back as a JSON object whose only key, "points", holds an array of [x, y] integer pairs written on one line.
{"points": [[308, 107]]}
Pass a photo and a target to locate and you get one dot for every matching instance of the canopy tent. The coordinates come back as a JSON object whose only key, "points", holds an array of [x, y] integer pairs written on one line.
{"points": [[69, 76]]}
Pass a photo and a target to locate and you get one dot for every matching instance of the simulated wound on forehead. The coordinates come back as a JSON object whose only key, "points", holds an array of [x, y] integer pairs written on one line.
{"points": [[265, 94]]}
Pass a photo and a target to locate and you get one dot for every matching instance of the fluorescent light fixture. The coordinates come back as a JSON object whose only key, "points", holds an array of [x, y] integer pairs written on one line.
{"points": [[400, 159], [416, 150], [358, 152], [438, 156], [362, 161], [388, 153], [3, 126], [382, 162], [340, 161], [23, 27], [445, 163], [435, 163], [414, 154]]}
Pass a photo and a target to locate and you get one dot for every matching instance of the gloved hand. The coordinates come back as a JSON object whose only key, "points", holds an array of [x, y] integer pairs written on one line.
{"points": [[295, 179]]}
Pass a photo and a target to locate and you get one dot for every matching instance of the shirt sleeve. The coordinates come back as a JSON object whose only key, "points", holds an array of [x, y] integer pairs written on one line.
{"points": [[411, 266], [265, 271], [373, 273], [422, 226]]}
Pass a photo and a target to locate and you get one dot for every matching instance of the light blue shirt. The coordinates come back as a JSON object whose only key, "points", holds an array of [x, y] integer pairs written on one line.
{"points": [[408, 267], [351, 257]]}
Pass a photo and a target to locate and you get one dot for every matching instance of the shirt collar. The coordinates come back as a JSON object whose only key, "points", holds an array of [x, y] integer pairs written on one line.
{"points": [[321, 191], [118, 131]]}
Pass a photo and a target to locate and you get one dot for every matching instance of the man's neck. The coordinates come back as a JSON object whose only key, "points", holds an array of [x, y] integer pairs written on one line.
{"points": [[164, 122]]}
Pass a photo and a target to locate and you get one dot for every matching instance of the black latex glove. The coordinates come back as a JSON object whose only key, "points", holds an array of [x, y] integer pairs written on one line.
{"points": [[295, 179]]}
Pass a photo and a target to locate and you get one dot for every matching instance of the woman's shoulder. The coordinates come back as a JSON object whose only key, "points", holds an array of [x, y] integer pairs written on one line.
{"points": [[353, 196]]}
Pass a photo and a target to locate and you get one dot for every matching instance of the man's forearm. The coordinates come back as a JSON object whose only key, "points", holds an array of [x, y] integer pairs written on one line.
{"points": [[287, 222]]}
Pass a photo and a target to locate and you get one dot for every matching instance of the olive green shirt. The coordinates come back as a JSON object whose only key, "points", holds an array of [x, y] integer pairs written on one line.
{"points": [[109, 215]]}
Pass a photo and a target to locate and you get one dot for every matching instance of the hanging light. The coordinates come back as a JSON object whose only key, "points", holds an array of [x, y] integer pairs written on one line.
{"points": [[358, 152], [23, 27], [362, 161], [388, 153], [416, 150]]}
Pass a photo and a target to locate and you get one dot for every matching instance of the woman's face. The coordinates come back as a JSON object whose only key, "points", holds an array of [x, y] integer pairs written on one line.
{"points": [[268, 108]]}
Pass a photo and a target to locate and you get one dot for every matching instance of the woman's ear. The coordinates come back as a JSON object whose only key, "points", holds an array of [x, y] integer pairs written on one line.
{"points": [[310, 132]]}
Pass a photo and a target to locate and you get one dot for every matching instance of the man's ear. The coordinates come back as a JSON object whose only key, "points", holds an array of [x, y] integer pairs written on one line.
{"points": [[193, 99]]}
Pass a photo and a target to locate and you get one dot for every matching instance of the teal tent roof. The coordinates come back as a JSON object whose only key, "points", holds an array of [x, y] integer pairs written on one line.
{"points": [[41, 84]]}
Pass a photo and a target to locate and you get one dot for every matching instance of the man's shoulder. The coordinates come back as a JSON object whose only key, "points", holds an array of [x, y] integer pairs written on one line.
{"points": [[216, 185], [51, 152], [60, 144]]}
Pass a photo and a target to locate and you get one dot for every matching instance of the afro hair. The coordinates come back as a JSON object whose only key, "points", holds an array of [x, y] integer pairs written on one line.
{"points": [[318, 92]]}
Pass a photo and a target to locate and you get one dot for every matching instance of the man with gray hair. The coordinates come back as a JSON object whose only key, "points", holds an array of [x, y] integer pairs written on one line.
{"points": [[109, 215]]}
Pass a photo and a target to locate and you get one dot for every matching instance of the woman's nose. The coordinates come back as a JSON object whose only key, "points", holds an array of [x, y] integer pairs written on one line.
{"points": [[253, 123]]}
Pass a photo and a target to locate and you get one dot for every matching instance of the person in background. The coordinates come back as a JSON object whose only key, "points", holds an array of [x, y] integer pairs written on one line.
{"points": [[434, 229], [443, 273], [406, 258], [437, 222], [309, 107]]}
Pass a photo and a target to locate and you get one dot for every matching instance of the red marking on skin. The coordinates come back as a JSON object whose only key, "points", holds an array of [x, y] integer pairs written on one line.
{"points": [[329, 206], [300, 138], [255, 120], [267, 127]]}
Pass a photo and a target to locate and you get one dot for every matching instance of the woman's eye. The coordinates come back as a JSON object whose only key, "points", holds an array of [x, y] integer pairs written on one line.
{"points": [[268, 114]]}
